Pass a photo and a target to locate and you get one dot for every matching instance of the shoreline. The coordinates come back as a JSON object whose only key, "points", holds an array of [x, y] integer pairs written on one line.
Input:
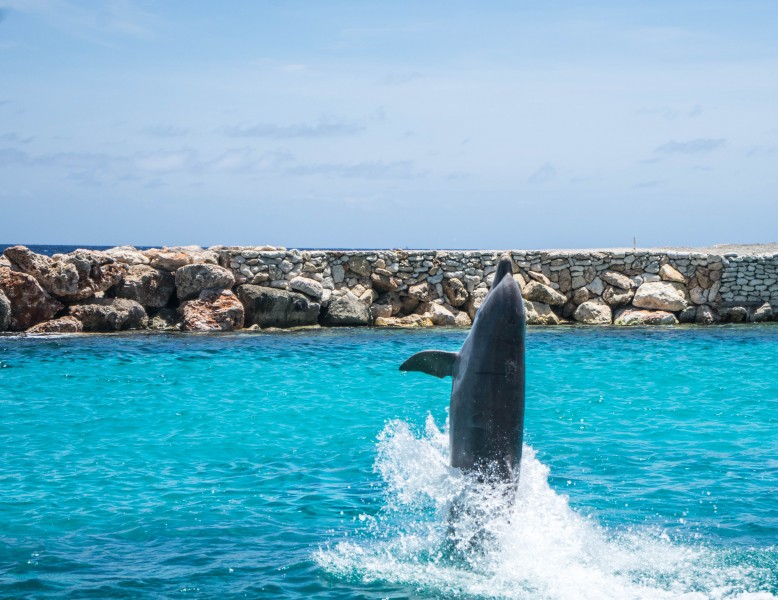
{"points": [[225, 288]]}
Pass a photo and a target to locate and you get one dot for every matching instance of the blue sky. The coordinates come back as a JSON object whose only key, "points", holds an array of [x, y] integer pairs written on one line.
{"points": [[378, 124]]}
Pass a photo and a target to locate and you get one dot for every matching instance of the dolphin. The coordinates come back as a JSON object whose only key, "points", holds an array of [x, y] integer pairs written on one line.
{"points": [[486, 416]]}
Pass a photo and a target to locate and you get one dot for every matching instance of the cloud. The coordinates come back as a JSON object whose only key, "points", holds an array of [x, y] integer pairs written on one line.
{"points": [[669, 113], [166, 131], [325, 127], [697, 146], [544, 174], [14, 138], [403, 169]]}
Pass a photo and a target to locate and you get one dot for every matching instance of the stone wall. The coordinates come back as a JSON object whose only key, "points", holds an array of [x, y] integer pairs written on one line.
{"points": [[225, 288]]}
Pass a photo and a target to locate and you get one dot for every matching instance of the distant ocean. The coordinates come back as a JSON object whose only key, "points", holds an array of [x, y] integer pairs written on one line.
{"points": [[51, 249]]}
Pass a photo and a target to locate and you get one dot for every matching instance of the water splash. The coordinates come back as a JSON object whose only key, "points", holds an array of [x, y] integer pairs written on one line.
{"points": [[536, 547]]}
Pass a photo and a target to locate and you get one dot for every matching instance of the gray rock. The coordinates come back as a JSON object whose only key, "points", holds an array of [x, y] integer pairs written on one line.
{"points": [[538, 292], [5, 312], [593, 312], [616, 296], [706, 315], [309, 287], [270, 307], [540, 313], [661, 295], [476, 299], [149, 287], [440, 314], [735, 314], [698, 295], [670, 273], [61, 325], [346, 310], [617, 280], [213, 310], [631, 316], [191, 280], [29, 302], [688, 314], [580, 295], [165, 319], [596, 287], [380, 310], [384, 283], [359, 265], [128, 255], [74, 276], [762, 313], [109, 314], [167, 259]]}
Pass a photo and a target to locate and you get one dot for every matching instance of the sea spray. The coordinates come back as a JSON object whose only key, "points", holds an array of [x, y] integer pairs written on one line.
{"points": [[536, 546]]}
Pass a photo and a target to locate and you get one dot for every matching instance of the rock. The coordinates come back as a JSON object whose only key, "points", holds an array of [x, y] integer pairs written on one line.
{"points": [[75, 276], [338, 273], [540, 278], [439, 314], [309, 287], [368, 296], [631, 316], [109, 314], [410, 321], [345, 310], [167, 260], [540, 313], [191, 280], [461, 319], [688, 314], [29, 302], [165, 319], [698, 295], [271, 307], [4, 262], [669, 273], [538, 292], [213, 310], [409, 305], [520, 280], [763, 313], [382, 311], [706, 315], [5, 312], [420, 291], [617, 280], [128, 255], [61, 325], [148, 286], [359, 266], [661, 295], [384, 283], [735, 314], [615, 296], [596, 287], [476, 299], [580, 295], [593, 312]]}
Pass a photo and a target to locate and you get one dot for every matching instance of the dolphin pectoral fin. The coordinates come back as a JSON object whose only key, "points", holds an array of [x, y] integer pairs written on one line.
{"points": [[432, 362]]}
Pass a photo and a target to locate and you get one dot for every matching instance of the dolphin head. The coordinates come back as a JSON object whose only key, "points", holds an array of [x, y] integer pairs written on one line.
{"points": [[503, 307]]}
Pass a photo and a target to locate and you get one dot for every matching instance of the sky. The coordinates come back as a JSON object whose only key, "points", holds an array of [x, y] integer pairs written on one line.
{"points": [[362, 124]]}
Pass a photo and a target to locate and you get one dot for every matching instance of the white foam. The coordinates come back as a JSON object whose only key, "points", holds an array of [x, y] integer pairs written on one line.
{"points": [[537, 548]]}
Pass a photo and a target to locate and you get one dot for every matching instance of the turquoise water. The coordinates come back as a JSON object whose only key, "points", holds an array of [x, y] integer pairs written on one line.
{"points": [[305, 464]]}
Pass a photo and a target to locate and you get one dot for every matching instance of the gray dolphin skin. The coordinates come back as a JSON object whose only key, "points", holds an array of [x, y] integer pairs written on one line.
{"points": [[486, 417]]}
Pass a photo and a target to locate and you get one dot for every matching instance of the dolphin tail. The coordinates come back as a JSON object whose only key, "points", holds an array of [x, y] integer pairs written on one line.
{"points": [[433, 362]]}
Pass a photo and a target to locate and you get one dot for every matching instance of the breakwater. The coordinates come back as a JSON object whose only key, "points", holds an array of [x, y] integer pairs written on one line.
{"points": [[225, 288]]}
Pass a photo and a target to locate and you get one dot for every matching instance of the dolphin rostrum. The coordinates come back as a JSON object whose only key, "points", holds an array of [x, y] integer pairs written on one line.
{"points": [[486, 417]]}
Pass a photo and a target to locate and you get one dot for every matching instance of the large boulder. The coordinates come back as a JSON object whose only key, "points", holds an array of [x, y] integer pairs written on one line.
{"points": [[593, 312], [165, 319], [149, 287], [359, 265], [631, 316], [29, 302], [109, 314], [477, 297], [455, 291], [345, 310], [193, 279], [271, 307], [539, 313], [213, 310], [762, 313], [706, 315], [5, 312], [384, 283], [61, 325], [539, 292], [75, 276], [670, 273], [618, 280], [307, 286], [616, 296], [662, 295]]}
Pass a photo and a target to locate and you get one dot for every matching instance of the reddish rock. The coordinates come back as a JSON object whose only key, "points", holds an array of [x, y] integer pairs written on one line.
{"points": [[214, 310], [146, 285], [61, 325], [75, 276], [30, 303]]}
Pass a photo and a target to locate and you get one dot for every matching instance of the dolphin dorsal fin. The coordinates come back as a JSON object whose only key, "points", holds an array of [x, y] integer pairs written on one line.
{"points": [[432, 362]]}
